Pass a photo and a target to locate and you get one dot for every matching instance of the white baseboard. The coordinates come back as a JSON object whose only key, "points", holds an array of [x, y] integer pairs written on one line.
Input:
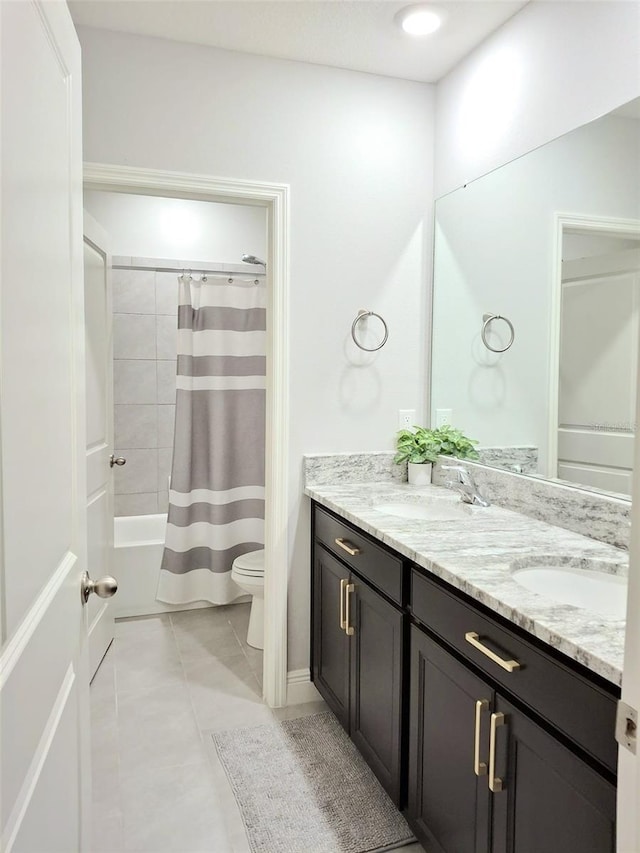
{"points": [[299, 687]]}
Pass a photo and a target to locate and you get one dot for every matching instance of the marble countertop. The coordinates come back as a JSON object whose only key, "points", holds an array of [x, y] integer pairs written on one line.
{"points": [[476, 554]]}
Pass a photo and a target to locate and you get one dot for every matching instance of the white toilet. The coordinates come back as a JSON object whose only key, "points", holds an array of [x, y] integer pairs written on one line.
{"points": [[248, 572]]}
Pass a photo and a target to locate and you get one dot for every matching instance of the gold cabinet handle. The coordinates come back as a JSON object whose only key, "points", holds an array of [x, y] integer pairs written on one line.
{"points": [[479, 767], [495, 784], [350, 587], [474, 639], [343, 621], [352, 550]]}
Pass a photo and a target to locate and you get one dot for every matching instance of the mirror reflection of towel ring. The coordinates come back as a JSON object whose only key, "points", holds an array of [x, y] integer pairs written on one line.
{"points": [[489, 318], [362, 313]]}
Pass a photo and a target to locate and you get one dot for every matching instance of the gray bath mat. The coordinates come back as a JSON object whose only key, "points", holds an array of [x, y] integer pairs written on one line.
{"points": [[302, 787]]}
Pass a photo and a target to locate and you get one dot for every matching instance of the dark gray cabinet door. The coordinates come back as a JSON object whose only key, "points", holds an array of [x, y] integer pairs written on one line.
{"points": [[551, 801], [448, 804], [376, 683], [330, 642]]}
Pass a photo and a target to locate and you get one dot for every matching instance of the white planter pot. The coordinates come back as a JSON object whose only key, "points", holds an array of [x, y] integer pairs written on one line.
{"points": [[419, 473]]}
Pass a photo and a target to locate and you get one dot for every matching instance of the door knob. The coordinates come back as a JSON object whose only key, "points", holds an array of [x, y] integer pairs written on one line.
{"points": [[103, 588], [116, 460]]}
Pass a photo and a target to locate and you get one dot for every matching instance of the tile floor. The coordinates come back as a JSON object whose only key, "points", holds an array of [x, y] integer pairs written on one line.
{"points": [[167, 682]]}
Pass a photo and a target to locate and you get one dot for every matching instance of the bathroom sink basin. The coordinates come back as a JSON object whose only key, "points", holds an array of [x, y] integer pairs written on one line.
{"points": [[602, 592], [437, 510]]}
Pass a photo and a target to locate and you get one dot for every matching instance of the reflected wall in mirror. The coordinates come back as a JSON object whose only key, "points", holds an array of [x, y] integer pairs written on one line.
{"points": [[550, 241]]}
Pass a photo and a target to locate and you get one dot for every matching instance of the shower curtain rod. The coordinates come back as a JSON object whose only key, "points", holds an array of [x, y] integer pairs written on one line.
{"points": [[192, 270]]}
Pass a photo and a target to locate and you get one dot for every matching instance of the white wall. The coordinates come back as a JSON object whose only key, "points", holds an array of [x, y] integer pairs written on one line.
{"points": [[357, 152], [551, 68], [153, 227]]}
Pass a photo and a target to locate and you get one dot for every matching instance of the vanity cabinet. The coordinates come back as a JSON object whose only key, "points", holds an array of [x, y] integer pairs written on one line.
{"points": [[448, 804], [487, 774], [490, 741], [357, 650], [331, 645], [551, 799]]}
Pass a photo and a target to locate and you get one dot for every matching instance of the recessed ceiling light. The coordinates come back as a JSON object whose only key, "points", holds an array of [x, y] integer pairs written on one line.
{"points": [[418, 20]]}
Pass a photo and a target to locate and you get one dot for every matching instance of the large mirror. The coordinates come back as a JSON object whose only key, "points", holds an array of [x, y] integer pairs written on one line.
{"points": [[536, 315]]}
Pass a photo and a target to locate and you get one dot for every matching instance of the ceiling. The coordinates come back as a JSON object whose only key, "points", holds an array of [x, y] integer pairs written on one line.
{"points": [[360, 35]]}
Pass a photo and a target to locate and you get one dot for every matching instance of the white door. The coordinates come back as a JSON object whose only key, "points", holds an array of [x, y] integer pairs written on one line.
{"points": [[99, 396], [44, 682]]}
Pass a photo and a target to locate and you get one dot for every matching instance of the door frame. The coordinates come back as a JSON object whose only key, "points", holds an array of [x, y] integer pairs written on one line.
{"points": [[274, 197], [563, 222], [628, 794]]}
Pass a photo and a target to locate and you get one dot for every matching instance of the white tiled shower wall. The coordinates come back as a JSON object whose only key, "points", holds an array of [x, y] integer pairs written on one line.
{"points": [[145, 305]]}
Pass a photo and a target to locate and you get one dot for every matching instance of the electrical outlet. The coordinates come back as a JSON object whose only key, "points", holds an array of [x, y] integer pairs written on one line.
{"points": [[406, 418], [444, 416]]}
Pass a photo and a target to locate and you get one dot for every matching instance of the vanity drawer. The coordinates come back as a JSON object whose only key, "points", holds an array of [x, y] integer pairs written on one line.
{"points": [[372, 562], [580, 709]]}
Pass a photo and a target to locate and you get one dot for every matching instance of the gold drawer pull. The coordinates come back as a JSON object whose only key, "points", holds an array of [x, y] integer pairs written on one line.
{"points": [[474, 639], [343, 622], [352, 550], [495, 784], [479, 767], [350, 587]]}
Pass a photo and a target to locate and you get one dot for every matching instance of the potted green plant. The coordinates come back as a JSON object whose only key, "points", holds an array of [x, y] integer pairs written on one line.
{"points": [[420, 448]]}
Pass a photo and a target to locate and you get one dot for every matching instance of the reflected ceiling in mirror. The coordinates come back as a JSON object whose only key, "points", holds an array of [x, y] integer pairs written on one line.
{"points": [[551, 243]]}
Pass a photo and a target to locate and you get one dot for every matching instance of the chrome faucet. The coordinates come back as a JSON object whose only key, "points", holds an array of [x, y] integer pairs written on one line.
{"points": [[464, 483]]}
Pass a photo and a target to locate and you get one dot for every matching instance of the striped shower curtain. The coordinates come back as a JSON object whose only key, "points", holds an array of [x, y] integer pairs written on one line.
{"points": [[216, 498]]}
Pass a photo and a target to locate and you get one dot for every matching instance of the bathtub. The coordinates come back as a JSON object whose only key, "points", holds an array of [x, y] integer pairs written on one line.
{"points": [[138, 544]]}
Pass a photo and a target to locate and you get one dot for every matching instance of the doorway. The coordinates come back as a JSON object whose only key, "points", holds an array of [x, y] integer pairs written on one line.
{"points": [[275, 199]]}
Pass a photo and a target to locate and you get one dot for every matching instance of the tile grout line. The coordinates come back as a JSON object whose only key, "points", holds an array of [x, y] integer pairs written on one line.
{"points": [[246, 657], [112, 649], [185, 676]]}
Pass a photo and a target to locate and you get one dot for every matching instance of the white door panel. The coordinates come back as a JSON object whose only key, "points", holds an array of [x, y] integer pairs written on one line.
{"points": [[97, 461], [44, 656], [599, 448], [58, 804], [38, 417], [606, 479], [598, 351], [39, 679]]}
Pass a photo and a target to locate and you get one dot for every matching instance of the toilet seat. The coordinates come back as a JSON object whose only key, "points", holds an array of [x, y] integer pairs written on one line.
{"points": [[249, 565], [242, 574]]}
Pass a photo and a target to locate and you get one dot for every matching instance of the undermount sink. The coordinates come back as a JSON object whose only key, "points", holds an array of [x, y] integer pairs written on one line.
{"points": [[591, 585], [436, 510]]}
